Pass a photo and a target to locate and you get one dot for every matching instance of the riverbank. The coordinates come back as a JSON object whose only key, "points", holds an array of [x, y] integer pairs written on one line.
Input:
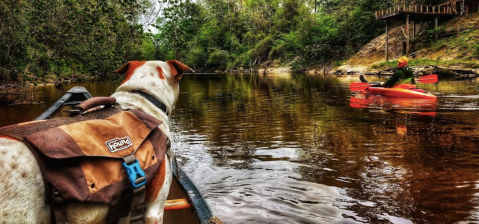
{"points": [[455, 53], [23, 90], [30, 80], [420, 70]]}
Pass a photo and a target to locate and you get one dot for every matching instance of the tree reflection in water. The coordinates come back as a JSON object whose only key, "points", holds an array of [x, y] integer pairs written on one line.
{"points": [[289, 148], [390, 164]]}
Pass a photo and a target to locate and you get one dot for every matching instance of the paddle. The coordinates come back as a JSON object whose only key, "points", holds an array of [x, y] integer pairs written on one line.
{"points": [[358, 86], [428, 79], [424, 79]]}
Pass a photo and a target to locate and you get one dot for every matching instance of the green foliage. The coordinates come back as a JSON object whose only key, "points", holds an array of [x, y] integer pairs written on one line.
{"points": [[338, 63], [95, 37], [148, 48], [476, 51], [255, 31], [64, 37], [218, 59]]}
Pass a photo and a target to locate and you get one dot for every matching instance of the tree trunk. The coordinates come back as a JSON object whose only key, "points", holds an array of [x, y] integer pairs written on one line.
{"points": [[453, 5]]}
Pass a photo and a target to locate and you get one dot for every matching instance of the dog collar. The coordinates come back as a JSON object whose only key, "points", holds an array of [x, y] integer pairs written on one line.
{"points": [[154, 101]]}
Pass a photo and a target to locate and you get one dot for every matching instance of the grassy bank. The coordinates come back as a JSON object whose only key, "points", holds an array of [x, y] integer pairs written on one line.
{"points": [[463, 63], [456, 47]]}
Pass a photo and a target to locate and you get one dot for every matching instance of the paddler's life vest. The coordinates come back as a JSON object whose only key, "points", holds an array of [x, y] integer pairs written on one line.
{"points": [[86, 157], [403, 75]]}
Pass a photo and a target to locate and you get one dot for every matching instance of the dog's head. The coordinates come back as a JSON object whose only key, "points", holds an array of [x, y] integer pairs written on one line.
{"points": [[156, 78]]}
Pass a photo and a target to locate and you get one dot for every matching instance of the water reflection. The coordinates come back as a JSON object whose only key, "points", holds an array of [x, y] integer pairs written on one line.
{"points": [[47, 95], [382, 165], [289, 148]]}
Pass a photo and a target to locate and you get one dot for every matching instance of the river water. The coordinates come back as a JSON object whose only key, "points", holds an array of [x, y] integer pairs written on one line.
{"points": [[295, 148]]}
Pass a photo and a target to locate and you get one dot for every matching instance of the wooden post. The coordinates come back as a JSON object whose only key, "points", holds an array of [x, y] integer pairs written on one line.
{"points": [[435, 26], [387, 40], [413, 29], [407, 35]]}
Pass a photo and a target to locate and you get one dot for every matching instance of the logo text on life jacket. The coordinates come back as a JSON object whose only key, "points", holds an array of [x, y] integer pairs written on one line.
{"points": [[118, 144]]}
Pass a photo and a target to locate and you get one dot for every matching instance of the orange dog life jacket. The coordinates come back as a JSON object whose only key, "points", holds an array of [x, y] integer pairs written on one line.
{"points": [[82, 156]]}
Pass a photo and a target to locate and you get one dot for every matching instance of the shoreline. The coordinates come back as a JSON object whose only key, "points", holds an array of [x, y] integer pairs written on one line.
{"points": [[347, 69]]}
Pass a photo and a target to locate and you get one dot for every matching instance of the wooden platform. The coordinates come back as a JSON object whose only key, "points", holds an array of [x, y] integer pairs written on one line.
{"points": [[417, 12]]}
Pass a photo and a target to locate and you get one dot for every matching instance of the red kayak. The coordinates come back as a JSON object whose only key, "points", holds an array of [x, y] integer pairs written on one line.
{"points": [[366, 100], [399, 91]]}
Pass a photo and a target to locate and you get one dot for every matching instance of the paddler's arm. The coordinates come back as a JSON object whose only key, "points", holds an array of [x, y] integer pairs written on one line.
{"points": [[412, 76], [393, 79]]}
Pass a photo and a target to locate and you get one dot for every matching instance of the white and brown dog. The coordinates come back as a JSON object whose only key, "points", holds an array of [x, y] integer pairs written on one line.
{"points": [[22, 189]]}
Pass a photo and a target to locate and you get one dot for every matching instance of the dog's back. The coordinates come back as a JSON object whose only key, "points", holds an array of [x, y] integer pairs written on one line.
{"points": [[23, 192]]}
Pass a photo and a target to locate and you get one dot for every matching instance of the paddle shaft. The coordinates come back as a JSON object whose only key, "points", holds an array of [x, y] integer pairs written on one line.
{"points": [[424, 79], [428, 79]]}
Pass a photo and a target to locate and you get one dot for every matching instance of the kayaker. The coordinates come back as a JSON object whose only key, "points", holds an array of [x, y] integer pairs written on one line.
{"points": [[403, 75]]}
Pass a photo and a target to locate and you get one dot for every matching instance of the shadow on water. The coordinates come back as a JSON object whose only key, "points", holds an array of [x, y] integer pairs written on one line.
{"points": [[290, 148]]}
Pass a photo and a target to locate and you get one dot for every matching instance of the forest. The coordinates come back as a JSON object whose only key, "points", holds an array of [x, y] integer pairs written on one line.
{"points": [[70, 37]]}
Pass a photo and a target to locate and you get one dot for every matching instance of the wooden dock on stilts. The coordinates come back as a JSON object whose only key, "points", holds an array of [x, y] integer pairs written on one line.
{"points": [[417, 13]]}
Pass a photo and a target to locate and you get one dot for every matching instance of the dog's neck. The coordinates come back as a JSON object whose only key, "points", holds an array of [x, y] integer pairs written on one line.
{"points": [[154, 101]]}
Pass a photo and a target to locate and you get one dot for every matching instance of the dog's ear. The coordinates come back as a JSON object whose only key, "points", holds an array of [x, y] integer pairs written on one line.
{"points": [[177, 69], [128, 69], [123, 68]]}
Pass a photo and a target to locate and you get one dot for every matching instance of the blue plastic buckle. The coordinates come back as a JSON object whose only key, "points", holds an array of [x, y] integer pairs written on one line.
{"points": [[135, 174]]}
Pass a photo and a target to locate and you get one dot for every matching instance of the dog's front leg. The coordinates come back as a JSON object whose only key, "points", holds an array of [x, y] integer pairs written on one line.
{"points": [[157, 192]]}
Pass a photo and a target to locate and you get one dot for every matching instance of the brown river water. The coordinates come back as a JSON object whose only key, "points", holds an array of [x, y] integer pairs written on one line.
{"points": [[295, 148]]}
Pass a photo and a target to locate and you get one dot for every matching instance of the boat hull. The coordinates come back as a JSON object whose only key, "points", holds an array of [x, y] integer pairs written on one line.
{"points": [[400, 93]]}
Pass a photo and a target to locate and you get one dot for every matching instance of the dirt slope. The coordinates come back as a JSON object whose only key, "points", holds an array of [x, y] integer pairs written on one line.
{"points": [[458, 40]]}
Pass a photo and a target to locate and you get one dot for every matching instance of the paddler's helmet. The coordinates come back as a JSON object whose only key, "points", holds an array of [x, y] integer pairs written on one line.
{"points": [[402, 62]]}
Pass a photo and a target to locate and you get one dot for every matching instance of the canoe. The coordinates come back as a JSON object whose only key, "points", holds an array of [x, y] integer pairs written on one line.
{"points": [[401, 91], [185, 203]]}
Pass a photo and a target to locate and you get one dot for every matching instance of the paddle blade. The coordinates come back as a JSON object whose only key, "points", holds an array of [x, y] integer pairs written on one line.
{"points": [[428, 79], [358, 86]]}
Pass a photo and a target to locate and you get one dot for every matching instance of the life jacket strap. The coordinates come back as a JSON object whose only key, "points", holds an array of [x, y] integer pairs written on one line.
{"points": [[59, 210], [172, 156], [137, 212]]}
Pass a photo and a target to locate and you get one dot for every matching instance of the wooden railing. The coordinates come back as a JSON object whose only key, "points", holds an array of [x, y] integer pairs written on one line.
{"points": [[422, 9]]}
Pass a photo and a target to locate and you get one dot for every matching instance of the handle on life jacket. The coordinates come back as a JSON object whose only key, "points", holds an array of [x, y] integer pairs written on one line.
{"points": [[96, 101]]}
